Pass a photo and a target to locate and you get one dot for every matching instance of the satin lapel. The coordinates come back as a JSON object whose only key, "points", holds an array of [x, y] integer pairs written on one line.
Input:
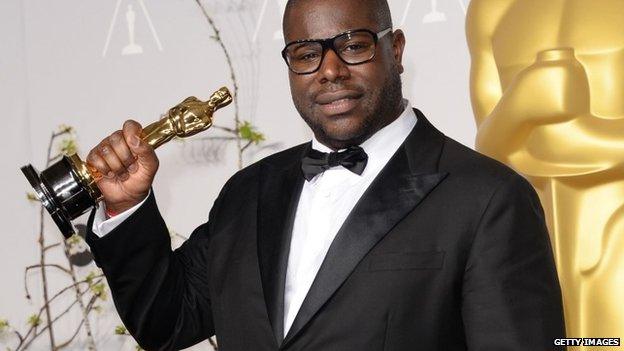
{"points": [[405, 181], [280, 188]]}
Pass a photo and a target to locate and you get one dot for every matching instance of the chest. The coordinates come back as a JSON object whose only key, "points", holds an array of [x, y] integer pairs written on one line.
{"points": [[324, 204]]}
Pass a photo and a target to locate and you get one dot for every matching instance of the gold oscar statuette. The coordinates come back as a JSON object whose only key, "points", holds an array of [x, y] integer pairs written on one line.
{"points": [[67, 189], [547, 86]]}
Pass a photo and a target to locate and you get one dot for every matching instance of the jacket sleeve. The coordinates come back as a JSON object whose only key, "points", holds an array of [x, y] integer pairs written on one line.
{"points": [[162, 296], [511, 298]]}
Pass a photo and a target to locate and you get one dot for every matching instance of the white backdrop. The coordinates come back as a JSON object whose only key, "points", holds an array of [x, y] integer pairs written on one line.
{"points": [[71, 62]]}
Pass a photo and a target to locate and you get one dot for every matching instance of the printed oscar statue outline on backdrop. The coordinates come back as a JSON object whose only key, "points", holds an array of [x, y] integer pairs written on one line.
{"points": [[434, 15], [131, 48], [547, 83]]}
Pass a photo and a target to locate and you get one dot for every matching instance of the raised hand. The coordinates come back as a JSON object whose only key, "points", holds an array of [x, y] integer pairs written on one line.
{"points": [[125, 166]]}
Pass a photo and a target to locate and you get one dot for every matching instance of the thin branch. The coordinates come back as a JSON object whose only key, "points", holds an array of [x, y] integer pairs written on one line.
{"points": [[46, 265], [50, 323], [19, 336], [246, 146], [48, 326], [39, 266], [226, 129], [228, 58], [34, 327], [61, 133], [51, 246], [44, 277], [94, 282], [218, 138], [83, 309], [84, 320]]}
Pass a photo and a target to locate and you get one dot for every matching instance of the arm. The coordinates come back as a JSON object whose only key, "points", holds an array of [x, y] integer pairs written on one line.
{"points": [[511, 299], [161, 296], [585, 145], [542, 126]]}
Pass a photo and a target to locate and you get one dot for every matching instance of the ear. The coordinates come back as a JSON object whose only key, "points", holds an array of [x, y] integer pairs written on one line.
{"points": [[398, 46]]}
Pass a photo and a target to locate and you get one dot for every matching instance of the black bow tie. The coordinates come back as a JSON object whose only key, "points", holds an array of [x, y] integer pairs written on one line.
{"points": [[315, 162]]}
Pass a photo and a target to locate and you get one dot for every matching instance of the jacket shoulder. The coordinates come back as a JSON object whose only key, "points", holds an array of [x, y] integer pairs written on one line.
{"points": [[473, 168]]}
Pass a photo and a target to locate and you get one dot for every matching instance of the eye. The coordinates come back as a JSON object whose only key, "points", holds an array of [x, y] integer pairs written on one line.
{"points": [[307, 56], [355, 47]]}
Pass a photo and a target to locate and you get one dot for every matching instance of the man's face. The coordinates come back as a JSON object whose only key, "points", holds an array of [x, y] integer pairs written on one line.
{"points": [[345, 104]]}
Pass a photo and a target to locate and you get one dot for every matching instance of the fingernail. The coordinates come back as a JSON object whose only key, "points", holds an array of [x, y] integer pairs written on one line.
{"points": [[133, 168], [110, 175], [124, 176], [135, 141]]}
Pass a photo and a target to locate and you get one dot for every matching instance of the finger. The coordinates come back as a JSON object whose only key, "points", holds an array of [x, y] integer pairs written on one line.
{"points": [[145, 153], [131, 128], [106, 151], [121, 148], [97, 165]]}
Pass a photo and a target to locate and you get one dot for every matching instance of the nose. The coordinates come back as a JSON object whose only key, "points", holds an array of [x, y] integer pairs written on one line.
{"points": [[332, 68]]}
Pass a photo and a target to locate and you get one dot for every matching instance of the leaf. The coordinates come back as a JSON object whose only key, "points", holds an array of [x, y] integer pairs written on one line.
{"points": [[63, 128], [68, 146], [99, 290], [32, 197], [34, 320], [73, 240], [248, 132], [121, 330], [89, 278], [4, 325]]}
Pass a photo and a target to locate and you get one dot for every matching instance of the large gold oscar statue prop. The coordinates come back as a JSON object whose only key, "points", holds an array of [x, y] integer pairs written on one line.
{"points": [[68, 188], [547, 87]]}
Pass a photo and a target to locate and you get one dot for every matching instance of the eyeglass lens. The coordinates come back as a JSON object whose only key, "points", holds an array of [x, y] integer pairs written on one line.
{"points": [[353, 48]]}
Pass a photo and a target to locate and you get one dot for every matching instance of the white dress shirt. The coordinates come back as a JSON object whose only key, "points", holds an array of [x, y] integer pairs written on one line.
{"points": [[325, 203]]}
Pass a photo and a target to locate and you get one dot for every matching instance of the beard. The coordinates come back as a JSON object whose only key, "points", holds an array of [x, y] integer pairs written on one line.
{"points": [[377, 108]]}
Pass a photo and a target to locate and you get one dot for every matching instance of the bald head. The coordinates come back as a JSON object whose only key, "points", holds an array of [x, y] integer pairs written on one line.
{"points": [[377, 10]]}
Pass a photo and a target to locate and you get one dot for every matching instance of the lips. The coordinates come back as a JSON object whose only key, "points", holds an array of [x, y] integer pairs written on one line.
{"points": [[338, 102]]}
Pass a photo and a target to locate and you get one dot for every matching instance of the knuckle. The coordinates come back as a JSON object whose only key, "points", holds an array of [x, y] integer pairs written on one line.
{"points": [[116, 169], [128, 161], [116, 137], [91, 156], [104, 149]]}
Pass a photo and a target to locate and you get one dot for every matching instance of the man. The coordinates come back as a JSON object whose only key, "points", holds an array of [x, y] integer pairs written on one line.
{"points": [[380, 234]]}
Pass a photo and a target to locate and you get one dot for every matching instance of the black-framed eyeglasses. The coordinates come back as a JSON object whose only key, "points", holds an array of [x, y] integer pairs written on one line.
{"points": [[353, 47]]}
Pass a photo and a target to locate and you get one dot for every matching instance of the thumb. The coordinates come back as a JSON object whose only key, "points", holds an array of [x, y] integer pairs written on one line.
{"points": [[146, 156]]}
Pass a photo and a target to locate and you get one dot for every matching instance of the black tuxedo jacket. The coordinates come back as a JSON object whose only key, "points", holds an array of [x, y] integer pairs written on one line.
{"points": [[447, 250]]}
